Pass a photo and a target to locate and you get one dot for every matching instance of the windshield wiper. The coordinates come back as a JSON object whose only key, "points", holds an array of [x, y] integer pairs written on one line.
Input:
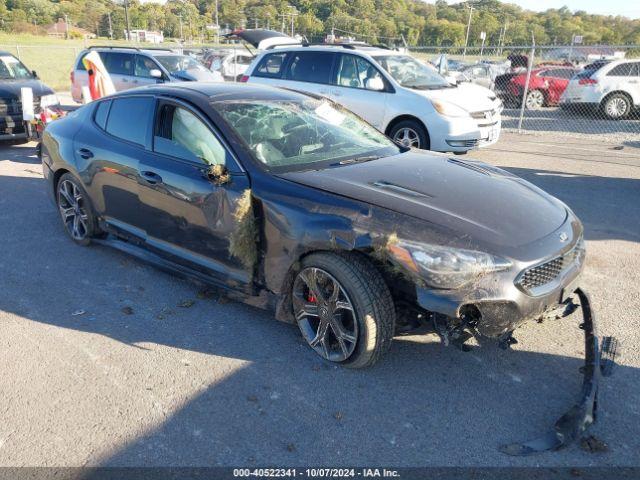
{"points": [[363, 158]]}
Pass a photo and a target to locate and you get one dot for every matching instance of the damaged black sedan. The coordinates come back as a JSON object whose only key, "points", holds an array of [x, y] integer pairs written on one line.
{"points": [[291, 203]]}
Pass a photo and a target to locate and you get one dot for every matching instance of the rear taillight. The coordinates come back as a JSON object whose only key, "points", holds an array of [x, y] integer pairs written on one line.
{"points": [[244, 78], [587, 81], [71, 76]]}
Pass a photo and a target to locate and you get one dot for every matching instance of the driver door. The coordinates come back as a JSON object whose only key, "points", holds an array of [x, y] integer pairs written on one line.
{"points": [[353, 74], [189, 219]]}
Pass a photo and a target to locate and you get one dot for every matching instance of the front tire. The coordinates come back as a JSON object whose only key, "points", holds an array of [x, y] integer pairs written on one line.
{"points": [[616, 106], [75, 209], [410, 133], [343, 308]]}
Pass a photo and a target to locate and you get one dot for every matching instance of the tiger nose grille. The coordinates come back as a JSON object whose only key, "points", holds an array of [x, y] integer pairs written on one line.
{"points": [[545, 273]]}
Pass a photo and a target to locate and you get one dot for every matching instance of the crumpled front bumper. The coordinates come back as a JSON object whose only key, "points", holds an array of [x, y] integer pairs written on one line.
{"points": [[599, 360]]}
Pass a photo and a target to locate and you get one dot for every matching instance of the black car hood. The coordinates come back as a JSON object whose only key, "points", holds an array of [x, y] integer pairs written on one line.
{"points": [[472, 198], [11, 88]]}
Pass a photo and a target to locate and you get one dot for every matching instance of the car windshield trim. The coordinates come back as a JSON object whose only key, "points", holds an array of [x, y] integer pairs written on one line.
{"points": [[284, 135], [410, 73]]}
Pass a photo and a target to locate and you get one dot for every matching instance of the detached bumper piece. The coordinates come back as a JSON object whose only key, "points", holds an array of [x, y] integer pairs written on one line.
{"points": [[598, 362]]}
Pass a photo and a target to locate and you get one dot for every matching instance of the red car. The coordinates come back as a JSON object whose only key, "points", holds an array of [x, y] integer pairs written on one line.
{"points": [[545, 85]]}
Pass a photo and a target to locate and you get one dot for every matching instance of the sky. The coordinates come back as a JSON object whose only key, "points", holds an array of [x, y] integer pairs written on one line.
{"points": [[628, 8]]}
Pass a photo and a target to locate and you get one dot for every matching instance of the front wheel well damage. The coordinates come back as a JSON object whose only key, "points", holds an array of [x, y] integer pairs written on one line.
{"points": [[284, 303]]}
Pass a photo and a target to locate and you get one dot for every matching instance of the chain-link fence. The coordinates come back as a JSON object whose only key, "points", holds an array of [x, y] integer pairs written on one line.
{"points": [[592, 93]]}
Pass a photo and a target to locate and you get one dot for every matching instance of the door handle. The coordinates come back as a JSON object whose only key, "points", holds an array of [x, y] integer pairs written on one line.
{"points": [[151, 177], [85, 153]]}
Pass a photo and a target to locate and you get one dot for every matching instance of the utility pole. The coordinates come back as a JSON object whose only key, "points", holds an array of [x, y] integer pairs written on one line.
{"points": [[181, 35], [110, 27], [466, 41], [66, 25], [126, 17], [294, 14]]}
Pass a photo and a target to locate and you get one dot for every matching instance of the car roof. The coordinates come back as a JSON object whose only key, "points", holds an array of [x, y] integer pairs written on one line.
{"points": [[342, 47], [134, 50], [219, 91], [4, 52]]}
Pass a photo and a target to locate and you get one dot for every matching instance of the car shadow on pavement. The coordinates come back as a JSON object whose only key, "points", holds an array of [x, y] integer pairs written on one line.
{"points": [[271, 401], [19, 153], [609, 207], [554, 119]]}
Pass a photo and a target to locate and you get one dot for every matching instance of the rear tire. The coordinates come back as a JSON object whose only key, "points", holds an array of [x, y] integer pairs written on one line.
{"points": [[616, 106], [410, 133], [357, 328], [76, 211], [535, 100]]}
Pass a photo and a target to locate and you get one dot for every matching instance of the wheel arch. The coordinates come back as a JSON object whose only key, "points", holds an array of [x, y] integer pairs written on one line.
{"points": [[56, 178], [401, 118], [614, 92], [283, 304]]}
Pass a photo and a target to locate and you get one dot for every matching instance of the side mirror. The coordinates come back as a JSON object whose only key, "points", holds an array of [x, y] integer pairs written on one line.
{"points": [[374, 83], [35, 75], [218, 174], [155, 73]]}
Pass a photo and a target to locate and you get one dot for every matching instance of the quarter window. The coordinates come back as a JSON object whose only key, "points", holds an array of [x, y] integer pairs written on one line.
{"points": [[181, 134], [271, 65], [129, 118], [622, 70], [311, 67], [102, 110]]}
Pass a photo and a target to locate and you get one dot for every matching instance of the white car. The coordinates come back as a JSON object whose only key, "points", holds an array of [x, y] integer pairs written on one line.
{"points": [[611, 86], [403, 98]]}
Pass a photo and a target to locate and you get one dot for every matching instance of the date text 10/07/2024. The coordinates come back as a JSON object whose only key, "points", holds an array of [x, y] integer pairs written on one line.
{"points": [[317, 472]]}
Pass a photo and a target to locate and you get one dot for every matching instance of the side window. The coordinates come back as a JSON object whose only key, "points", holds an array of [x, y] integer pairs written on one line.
{"points": [[181, 134], [369, 75], [100, 116], [118, 63], [129, 118], [143, 66], [635, 69], [271, 65], [622, 70], [310, 67], [80, 65], [348, 72]]}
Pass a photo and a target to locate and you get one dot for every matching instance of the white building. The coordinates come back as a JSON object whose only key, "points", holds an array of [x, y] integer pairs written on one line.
{"points": [[146, 36]]}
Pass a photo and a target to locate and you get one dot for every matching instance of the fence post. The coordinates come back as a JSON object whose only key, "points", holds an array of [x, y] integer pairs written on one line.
{"points": [[526, 86], [18, 52]]}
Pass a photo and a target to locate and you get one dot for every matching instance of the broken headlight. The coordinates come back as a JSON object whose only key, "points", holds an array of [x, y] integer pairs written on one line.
{"points": [[445, 267]]}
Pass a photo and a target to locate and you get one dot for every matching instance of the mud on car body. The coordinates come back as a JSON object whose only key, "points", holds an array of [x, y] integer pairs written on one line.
{"points": [[292, 203]]}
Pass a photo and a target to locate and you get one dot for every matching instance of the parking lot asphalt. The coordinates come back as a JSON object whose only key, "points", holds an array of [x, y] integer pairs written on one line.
{"points": [[107, 361]]}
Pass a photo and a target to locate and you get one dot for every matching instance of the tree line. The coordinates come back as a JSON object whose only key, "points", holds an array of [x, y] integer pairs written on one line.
{"points": [[377, 21]]}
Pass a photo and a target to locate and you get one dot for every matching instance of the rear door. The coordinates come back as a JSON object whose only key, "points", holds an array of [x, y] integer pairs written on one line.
{"points": [[120, 68], [190, 219], [634, 82], [352, 87], [109, 150], [310, 71]]}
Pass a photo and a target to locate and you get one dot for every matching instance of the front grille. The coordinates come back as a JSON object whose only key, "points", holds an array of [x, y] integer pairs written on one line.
{"points": [[13, 106], [471, 143], [545, 273]]}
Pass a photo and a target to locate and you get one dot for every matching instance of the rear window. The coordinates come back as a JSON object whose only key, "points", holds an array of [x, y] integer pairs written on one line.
{"points": [[591, 69], [129, 118], [271, 65], [310, 67]]}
